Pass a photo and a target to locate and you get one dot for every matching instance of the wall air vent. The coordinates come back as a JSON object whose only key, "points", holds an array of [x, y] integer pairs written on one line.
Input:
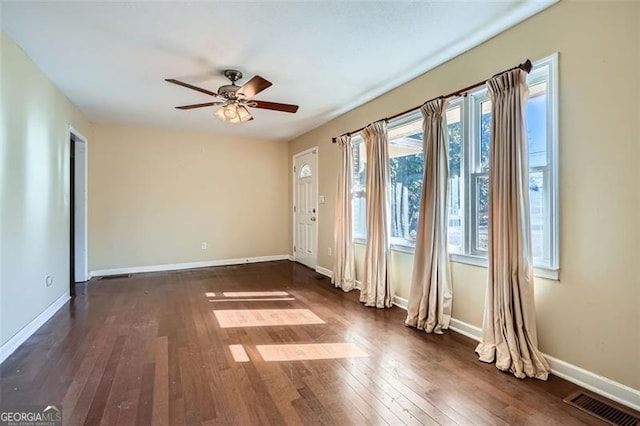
{"points": [[600, 408]]}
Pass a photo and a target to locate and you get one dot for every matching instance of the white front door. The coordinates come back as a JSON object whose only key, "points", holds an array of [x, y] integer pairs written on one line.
{"points": [[305, 204]]}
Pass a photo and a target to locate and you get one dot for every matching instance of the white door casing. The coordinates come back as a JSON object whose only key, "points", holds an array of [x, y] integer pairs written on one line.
{"points": [[305, 205]]}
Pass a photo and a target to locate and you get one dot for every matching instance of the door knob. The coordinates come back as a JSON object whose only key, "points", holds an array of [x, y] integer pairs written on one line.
{"points": [[313, 219]]}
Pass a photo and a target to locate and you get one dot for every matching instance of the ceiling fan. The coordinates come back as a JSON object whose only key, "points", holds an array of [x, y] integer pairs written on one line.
{"points": [[234, 99]]}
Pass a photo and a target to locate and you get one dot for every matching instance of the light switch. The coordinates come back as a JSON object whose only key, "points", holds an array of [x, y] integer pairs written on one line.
{"points": [[321, 199]]}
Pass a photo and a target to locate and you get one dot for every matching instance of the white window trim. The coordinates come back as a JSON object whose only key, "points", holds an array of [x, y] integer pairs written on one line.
{"points": [[551, 272], [357, 139], [402, 245], [398, 243], [467, 259]]}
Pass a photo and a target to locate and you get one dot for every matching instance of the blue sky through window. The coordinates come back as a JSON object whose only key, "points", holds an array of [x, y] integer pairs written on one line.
{"points": [[537, 129]]}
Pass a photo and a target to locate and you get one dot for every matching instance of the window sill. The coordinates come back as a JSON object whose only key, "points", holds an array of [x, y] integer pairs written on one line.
{"points": [[403, 249], [394, 247], [539, 272], [483, 262]]}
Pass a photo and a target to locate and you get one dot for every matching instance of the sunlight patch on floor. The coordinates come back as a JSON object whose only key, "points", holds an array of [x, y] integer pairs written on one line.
{"points": [[209, 294], [238, 353], [310, 351], [265, 317], [254, 293], [270, 299]]}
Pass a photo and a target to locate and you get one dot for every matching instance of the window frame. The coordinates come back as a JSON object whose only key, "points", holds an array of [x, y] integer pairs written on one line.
{"points": [[464, 203], [398, 243], [472, 255], [356, 140], [470, 131]]}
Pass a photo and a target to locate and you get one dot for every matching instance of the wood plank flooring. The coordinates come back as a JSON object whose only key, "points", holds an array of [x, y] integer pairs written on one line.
{"points": [[148, 350]]}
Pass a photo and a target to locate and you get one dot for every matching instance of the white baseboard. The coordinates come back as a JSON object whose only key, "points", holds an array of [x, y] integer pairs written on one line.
{"points": [[461, 327], [189, 265], [400, 302], [594, 382], [27, 331], [324, 271], [290, 257], [611, 389]]}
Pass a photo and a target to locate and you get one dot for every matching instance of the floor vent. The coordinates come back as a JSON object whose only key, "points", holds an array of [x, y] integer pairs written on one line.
{"points": [[598, 407], [115, 277]]}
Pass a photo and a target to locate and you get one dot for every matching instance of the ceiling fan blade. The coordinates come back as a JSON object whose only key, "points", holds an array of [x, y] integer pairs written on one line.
{"points": [[192, 87], [206, 104], [274, 106], [254, 86]]}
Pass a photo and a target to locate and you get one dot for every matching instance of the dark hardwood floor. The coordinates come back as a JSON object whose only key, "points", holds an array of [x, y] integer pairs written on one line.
{"points": [[149, 350]]}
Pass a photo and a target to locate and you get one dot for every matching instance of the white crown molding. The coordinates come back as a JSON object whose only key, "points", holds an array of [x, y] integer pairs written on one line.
{"points": [[188, 265], [27, 331], [436, 59]]}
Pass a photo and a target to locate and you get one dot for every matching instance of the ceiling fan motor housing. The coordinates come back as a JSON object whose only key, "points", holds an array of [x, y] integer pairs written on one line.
{"points": [[228, 91], [233, 75]]}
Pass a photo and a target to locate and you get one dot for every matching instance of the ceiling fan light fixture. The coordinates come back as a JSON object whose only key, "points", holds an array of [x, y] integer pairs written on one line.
{"points": [[234, 113], [220, 113], [243, 114], [235, 99], [230, 111]]}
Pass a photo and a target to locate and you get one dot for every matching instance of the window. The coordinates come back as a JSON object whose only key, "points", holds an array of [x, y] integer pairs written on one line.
{"points": [[455, 134], [305, 171], [469, 140], [406, 161], [469, 131], [358, 183], [405, 181]]}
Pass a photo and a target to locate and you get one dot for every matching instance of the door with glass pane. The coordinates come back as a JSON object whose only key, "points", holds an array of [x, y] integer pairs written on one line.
{"points": [[305, 208]]}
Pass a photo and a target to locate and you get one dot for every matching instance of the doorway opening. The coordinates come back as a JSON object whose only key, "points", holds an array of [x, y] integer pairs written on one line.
{"points": [[78, 270]]}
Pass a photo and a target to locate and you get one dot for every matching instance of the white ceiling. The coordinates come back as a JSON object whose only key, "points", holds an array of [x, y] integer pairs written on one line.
{"points": [[111, 58]]}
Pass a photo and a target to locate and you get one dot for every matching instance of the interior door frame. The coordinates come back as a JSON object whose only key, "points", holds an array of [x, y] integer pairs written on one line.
{"points": [[293, 198], [77, 135]]}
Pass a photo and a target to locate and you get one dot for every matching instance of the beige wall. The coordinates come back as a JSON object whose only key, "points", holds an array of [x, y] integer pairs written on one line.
{"points": [[34, 167], [591, 317], [156, 194]]}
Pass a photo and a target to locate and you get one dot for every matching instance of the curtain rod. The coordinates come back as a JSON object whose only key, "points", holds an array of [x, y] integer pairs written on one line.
{"points": [[525, 66]]}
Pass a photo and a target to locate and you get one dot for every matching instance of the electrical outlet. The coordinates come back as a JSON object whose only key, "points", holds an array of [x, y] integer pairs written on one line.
{"points": [[203, 246], [329, 251], [48, 280]]}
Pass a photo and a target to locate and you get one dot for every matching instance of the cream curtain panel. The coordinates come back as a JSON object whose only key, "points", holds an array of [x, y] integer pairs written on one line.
{"points": [[509, 335], [344, 268], [376, 283], [429, 306]]}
